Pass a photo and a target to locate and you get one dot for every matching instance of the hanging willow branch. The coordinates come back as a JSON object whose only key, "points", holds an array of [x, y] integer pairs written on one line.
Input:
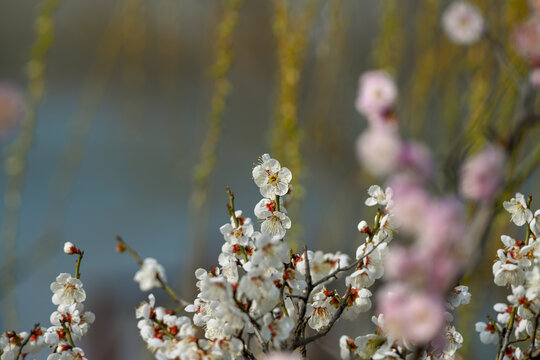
{"points": [[222, 88]]}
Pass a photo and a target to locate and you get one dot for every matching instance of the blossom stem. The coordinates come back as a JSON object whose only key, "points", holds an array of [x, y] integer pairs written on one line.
{"points": [[230, 206], [78, 265], [26, 341], [507, 333], [163, 328], [277, 203], [68, 335], [139, 261]]}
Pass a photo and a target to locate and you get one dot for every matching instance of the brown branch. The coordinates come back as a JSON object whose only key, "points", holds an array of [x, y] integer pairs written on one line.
{"points": [[533, 336], [327, 328], [25, 341]]}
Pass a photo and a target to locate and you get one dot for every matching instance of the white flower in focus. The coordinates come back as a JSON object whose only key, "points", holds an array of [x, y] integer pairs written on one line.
{"points": [[67, 290], [507, 273], [454, 340], [488, 333], [237, 235], [504, 312], [146, 276], [518, 208], [368, 344], [276, 225], [378, 196], [359, 302], [361, 278], [347, 348], [270, 254], [271, 178], [463, 23]]}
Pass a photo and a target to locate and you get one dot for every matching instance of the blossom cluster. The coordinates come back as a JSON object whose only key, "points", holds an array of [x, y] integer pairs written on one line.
{"points": [[262, 295], [518, 267], [69, 323]]}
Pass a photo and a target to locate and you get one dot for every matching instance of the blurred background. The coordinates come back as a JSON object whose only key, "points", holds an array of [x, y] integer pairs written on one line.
{"points": [[139, 114]]}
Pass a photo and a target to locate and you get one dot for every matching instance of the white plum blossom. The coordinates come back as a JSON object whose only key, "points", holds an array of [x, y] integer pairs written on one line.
{"points": [[460, 295], [379, 197], [146, 275], [67, 290], [518, 208], [276, 225], [463, 23], [271, 178], [488, 333]]}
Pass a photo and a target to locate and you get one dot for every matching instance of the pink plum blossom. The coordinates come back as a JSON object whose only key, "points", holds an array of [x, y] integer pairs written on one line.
{"points": [[410, 203], [415, 159], [415, 317], [377, 94], [482, 174], [527, 40]]}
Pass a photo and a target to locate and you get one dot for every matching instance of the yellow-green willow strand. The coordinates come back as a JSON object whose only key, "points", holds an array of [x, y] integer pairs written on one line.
{"points": [[16, 161], [222, 87], [390, 39], [291, 33], [426, 66]]}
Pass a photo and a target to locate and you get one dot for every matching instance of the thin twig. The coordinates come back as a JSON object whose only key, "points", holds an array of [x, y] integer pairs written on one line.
{"points": [[78, 265], [533, 336], [26, 341], [164, 285]]}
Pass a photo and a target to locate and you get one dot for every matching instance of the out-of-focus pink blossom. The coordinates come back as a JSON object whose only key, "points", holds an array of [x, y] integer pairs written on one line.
{"points": [[443, 223], [416, 159], [11, 109], [535, 5], [378, 150], [527, 40], [376, 97], [410, 204], [423, 268], [482, 174], [463, 23], [413, 317]]}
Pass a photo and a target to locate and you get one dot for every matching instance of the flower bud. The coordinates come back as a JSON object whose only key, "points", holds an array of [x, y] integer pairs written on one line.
{"points": [[363, 226], [69, 248], [120, 247]]}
